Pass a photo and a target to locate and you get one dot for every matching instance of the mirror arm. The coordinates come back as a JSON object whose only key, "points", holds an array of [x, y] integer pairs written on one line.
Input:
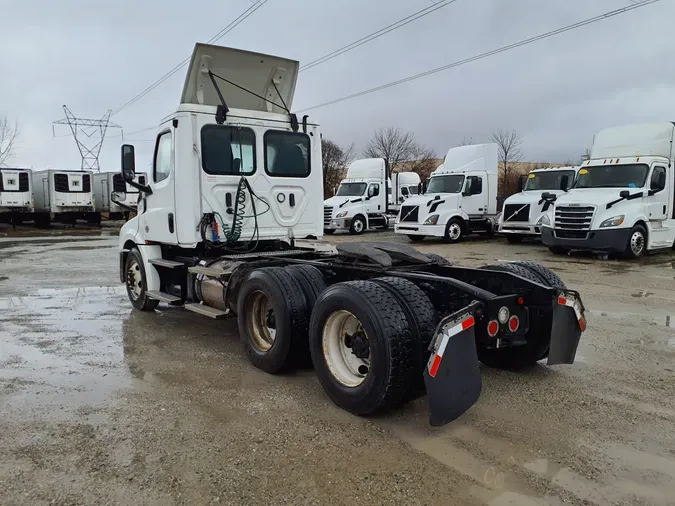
{"points": [[142, 187]]}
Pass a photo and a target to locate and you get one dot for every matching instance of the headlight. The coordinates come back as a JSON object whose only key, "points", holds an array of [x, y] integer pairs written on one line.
{"points": [[431, 220], [614, 221], [544, 220], [342, 214]]}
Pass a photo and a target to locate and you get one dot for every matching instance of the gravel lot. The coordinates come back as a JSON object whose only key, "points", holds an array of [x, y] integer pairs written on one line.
{"points": [[100, 404]]}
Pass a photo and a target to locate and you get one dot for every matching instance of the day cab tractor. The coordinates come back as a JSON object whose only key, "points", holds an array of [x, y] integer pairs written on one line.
{"points": [[229, 224]]}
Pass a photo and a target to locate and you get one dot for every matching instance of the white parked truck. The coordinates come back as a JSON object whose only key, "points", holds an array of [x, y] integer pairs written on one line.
{"points": [[622, 199], [63, 195], [16, 195], [404, 185], [460, 197], [105, 183], [237, 183], [360, 202], [523, 212]]}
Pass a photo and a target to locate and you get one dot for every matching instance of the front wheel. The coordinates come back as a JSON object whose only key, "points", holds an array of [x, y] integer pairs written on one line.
{"points": [[358, 226], [416, 238], [637, 243], [454, 231], [514, 239], [137, 284]]}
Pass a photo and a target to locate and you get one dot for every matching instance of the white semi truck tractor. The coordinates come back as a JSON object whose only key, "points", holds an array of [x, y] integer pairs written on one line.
{"points": [[221, 230], [404, 185], [524, 211], [16, 195], [460, 197], [622, 199], [360, 202]]}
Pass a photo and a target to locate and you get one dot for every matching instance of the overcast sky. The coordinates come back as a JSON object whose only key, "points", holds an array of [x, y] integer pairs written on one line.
{"points": [[96, 55]]}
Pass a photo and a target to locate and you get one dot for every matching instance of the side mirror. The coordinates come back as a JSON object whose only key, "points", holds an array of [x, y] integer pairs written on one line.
{"points": [[419, 188], [624, 194], [118, 197], [467, 188], [128, 163], [660, 184], [564, 182], [521, 183]]}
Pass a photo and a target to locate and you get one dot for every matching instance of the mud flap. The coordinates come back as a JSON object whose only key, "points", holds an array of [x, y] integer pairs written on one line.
{"points": [[452, 376], [566, 328]]}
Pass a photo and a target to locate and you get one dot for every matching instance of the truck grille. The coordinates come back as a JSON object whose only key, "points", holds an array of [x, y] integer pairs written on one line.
{"points": [[409, 213], [517, 212], [118, 183], [327, 214], [573, 222]]}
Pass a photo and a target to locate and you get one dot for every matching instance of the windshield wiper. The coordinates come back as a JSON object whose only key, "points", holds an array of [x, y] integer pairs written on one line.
{"points": [[625, 195]]}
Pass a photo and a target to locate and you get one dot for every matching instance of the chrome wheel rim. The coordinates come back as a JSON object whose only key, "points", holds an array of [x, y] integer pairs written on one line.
{"points": [[454, 231], [637, 243], [261, 321], [358, 225], [345, 346], [134, 280]]}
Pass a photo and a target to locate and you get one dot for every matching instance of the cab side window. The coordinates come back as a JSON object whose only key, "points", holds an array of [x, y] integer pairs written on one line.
{"points": [[162, 164], [658, 178], [374, 190], [476, 183]]}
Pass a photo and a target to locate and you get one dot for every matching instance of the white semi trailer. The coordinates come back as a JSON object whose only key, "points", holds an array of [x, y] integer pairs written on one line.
{"points": [[105, 183], [63, 195], [16, 195], [623, 198], [237, 182], [523, 212], [460, 197]]}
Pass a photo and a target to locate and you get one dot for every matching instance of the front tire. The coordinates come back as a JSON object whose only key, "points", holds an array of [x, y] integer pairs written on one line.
{"points": [[454, 231], [362, 347], [358, 226], [416, 238], [514, 239], [637, 243], [136, 282]]}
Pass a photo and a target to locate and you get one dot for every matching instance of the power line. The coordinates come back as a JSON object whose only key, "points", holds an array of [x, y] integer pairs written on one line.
{"points": [[486, 54], [379, 33], [175, 69]]}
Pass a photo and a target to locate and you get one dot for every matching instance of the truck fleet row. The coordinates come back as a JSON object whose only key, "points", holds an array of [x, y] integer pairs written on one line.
{"points": [[64, 196]]}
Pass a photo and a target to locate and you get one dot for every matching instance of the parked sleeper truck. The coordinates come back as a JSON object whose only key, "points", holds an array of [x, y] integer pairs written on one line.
{"points": [[381, 323], [105, 183], [622, 199], [404, 185], [523, 212], [460, 197], [16, 196], [63, 195]]}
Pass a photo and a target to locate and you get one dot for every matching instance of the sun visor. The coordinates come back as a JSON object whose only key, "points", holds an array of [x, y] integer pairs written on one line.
{"points": [[256, 72]]}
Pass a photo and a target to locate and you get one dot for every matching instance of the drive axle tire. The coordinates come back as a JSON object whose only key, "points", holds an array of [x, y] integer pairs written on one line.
{"points": [[423, 321], [358, 226], [438, 259], [514, 239], [416, 238], [136, 282], [548, 277], [513, 268], [272, 319], [362, 347]]}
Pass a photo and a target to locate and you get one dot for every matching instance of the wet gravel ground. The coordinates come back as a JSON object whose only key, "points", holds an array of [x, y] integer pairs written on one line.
{"points": [[100, 404]]}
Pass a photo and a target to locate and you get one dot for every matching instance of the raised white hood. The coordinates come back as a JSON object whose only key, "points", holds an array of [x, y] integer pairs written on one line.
{"points": [[254, 71]]}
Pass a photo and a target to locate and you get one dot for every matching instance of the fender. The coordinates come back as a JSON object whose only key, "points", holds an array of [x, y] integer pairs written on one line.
{"points": [[131, 233], [446, 216]]}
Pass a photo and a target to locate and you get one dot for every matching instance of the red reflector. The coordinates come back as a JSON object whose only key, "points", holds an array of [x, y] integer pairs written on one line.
{"points": [[521, 301], [562, 301], [493, 328], [469, 322], [513, 323]]}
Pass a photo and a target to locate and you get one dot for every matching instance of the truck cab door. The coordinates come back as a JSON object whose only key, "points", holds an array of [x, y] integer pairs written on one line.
{"points": [[374, 204], [658, 196], [158, 220], [474, 197]]}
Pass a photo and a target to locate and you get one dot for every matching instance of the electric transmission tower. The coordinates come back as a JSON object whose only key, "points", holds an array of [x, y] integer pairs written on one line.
{"points": [[91, 131]]}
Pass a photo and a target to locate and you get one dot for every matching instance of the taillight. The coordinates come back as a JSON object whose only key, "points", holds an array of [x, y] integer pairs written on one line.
{"points": [[514, 323], [493, 328]]}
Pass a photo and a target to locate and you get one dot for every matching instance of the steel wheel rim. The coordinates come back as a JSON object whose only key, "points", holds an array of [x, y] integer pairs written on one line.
{"points": [[358, 225], [134, 280], [637, 242], [454, 231], [260, 321], [348, 369]]}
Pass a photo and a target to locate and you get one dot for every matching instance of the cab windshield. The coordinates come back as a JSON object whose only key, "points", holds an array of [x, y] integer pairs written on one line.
{"points": [[630, 175], [446, 184], [548, 180], [351, 189]]}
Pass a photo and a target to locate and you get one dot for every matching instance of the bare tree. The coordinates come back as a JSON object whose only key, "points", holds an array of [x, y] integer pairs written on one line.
{"points": [[9, 134], [510, 152], [401, 151], [586, 156], [335, 160], [467, 142]]}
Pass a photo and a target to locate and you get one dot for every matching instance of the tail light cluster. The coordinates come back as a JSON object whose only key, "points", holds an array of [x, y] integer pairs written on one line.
{"points": [[505, 318]]}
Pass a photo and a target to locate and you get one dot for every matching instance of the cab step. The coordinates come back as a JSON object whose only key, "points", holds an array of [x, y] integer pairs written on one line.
{"points": [[163, 297], [163, 262], [209, 311], [207, 271]]}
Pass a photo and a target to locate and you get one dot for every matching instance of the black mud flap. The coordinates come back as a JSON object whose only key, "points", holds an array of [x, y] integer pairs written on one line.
{"points": [[566, 328], [452, 376]]}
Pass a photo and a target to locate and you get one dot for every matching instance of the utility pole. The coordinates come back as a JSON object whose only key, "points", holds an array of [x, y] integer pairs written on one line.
{"points": [[88, 129]]}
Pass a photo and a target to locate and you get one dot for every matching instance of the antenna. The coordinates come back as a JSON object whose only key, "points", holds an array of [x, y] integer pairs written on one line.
{"points": [[91, 129]]}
